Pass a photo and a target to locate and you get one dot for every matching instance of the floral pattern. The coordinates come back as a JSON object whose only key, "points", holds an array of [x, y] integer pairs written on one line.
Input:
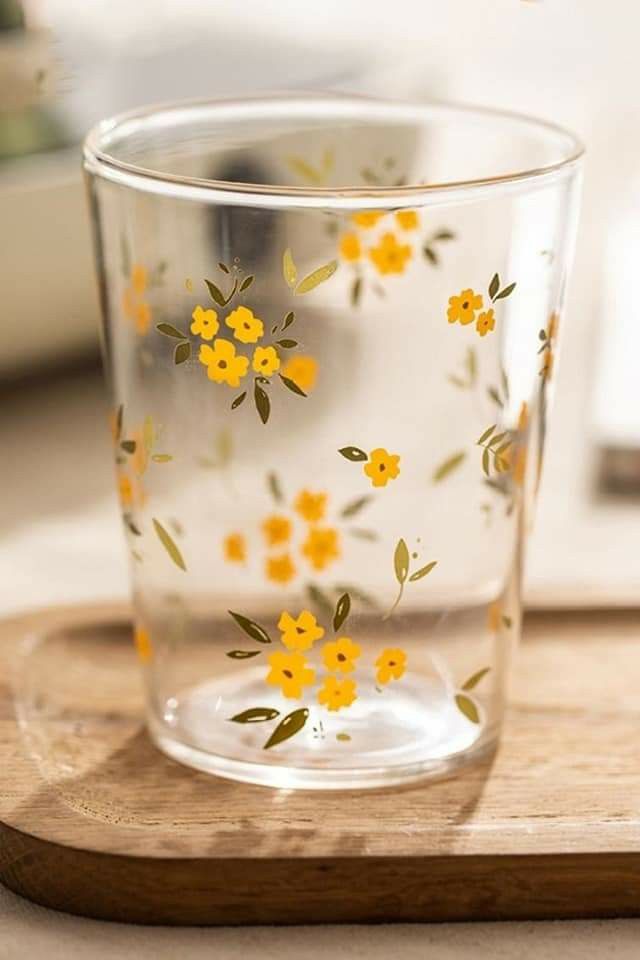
{"points": [[380, 466], [391, 665], [290, 672], [467, 307], [222, 363]]}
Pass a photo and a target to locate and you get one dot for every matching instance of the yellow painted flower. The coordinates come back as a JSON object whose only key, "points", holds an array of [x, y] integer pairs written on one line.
{"points": [[290, 672], [321, 547], [336, 693], [265, 360], [303, 370], [547, 365], [311, 506], [125, 490], [276, 529], [205, 323], [235, 548], [486, 322], [350, 248], [391, 664], [133, 304], [366, 218], [341, 654], [139, 279], [144, 648], [382, 467], [223, 366], [463, 308], [246, 327], [300, 633], [390, 256], [407, 219], [280, 569]]}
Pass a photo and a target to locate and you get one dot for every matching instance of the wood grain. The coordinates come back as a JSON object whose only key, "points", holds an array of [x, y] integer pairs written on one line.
{"points": [[95, 821]]}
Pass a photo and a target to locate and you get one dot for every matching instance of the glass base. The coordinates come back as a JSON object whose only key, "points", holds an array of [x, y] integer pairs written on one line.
{"points": [[389, 737]]}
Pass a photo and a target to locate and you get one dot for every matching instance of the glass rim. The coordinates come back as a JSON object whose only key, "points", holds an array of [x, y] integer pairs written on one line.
{"points": [[100, 161]]}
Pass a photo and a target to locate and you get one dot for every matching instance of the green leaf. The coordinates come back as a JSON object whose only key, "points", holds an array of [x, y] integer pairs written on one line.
{"points": [[448, 466], [131, 525], [263, 404], [457, 381], [255, 715], [494, 286], [542, 335], [182, 352], [506, 292], [356, 290], [466, 706], [243, 654], [292, 385], [246, 283], [238, 400], [287, 728], [119, 418], [287, 344], [320, 599], [355, 454], [129, 446], [250, 627], [275, 489], [223, 267], [475, 678], [288, 320], [355, 506], [343, 607], [486, 434], [148, 434], [495, 396], [431, 255], [497, 438], [361, 534], [505, 383], [401, 561], [215, 293], [343, 737], [289, 270], [423, 571], [485, 462], [508, 622], [168, 543], [316, 277], [170, 331], [161, 457], [444, 235]]}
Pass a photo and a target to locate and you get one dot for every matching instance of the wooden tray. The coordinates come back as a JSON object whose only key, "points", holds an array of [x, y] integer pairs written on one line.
{"points": [[94, 821]]}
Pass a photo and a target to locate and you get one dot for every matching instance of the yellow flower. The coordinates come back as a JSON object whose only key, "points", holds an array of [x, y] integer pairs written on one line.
{"points": [[276, 529], [485, 322], [290, 672], [235, 548], [407, 219], [265, 360], [299, 634], [350, 247], [463, 308], [205, 323], [341, 654], [223, 366], [125, 490], [367, 218], [280, 569], [311, 506], [321, 547], [336, 693], [494, 616], [142, 641], [390, 256], [246, 327], [133, 304], [382, 467], [142, 316], [391, 664], [138, 279], [303, 370]]}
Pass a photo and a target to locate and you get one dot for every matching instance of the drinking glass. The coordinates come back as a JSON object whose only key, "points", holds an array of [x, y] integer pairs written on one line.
{"points": [[330, 332]]}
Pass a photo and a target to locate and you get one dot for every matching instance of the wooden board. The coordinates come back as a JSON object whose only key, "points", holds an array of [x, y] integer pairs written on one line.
{"points": [[93, 820]]}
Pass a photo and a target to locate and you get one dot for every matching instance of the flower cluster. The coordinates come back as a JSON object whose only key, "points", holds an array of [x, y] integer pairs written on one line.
{"points": [[467, 307], [380, 466]]}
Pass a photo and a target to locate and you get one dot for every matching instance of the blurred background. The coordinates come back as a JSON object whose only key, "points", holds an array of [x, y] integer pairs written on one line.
{"points": [[64, 64]]}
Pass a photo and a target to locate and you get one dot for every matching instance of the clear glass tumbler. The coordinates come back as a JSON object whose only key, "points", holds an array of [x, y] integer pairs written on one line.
{"points": [[330, 331]]}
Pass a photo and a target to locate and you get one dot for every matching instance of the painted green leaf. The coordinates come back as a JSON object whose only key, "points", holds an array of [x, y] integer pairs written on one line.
{"points": [[475, 679], [243, 654], [215, 293], [263, 404], [505, 382], [448, 466], [457, 381], [250, 627], [316, 277], [287, 728], [238, 400], [423, 571], [170, 331], [305, 171], [508, 622], [289, 270], [486, 434], [444, 235], [466, 706], [288, 320], [131, 525], [360, 534], [246, 283], [129, 446], [223, 266], [168, 543], [232, 294], [161, 457], [355, 454], [506, 292], [182, 352], [343, 607], [119, 418], [542, 335], [494, 286], [275, 489], [485, 462], [148, 434], [255, 715], [401, 561], [431, 255], [343, 737], [356, 290], [496, 438], [495, 396], [355, 506], [320, 599], [287, 344], [292, 385]]}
